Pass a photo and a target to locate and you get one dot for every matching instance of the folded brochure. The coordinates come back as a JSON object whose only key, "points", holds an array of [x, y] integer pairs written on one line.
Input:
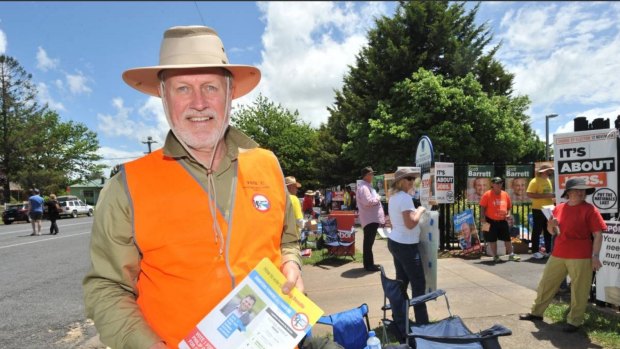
{"points": [[256, 314]]}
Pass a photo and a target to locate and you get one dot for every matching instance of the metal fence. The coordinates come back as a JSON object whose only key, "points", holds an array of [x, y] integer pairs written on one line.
{"points": [[447, 238]]}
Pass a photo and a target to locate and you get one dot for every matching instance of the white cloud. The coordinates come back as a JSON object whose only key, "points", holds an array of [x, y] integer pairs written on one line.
{"points": [[307, 47], [44, 62], [77, 83], [122, 124], [3, 42], [114, 156], [44, 97], [564, 57]]}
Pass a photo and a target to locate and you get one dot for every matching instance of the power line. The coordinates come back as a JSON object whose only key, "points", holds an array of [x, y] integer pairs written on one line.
{"points": [[199, 14]]}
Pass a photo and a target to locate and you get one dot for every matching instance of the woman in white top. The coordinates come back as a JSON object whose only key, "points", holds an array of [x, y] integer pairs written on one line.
{"points": [[405, 236]]}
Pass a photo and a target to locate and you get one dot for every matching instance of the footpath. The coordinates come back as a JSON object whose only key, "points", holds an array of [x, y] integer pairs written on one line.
{"points": [[481, 293]]}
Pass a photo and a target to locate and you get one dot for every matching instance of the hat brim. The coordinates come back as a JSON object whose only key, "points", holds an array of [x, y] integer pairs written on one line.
{"points": [[146, 79], [546, 169], [407, 175], [589, 190]]}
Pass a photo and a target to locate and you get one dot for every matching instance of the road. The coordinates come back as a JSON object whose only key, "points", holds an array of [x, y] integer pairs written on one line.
{"points": [[41, 293]]}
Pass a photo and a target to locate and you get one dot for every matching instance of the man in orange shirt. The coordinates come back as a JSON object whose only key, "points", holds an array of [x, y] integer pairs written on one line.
{"points": [[495, 208]]}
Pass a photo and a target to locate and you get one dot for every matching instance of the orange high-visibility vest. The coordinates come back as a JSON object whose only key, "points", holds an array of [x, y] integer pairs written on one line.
{"points": [[182, 275]]}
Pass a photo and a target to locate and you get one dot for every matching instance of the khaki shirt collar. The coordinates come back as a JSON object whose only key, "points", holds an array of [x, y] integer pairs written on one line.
{"points": [[236, 142]]}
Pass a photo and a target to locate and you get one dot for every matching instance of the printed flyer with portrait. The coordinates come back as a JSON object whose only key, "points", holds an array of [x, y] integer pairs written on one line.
{"points": [[256, 314]]}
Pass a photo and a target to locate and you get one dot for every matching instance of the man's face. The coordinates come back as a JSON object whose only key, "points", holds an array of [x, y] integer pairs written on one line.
{"points": [[481, 185], [246, 304], [196, 100], [518, 186], [292, 188], [465, 229], [497, 187]]}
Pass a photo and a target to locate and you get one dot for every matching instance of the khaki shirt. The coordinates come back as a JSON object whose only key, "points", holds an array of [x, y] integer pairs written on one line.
{"points": [[110, 285]]}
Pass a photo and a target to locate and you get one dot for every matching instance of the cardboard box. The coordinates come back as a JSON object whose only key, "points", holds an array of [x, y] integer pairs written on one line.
{"points": [[520, 248], [312, 225]]}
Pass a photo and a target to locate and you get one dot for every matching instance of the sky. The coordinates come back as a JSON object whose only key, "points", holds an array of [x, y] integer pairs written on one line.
{"points": [[564, 56]]}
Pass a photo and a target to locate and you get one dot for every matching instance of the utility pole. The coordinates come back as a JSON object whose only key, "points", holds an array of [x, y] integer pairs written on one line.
{"points": [[547, 117], [149, 141]]}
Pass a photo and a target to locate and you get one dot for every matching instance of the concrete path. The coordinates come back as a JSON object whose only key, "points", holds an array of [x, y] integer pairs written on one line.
{"points": [[481, 297]]}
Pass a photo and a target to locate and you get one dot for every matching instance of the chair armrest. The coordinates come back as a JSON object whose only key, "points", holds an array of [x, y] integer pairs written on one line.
{"points": [[427, 297]]}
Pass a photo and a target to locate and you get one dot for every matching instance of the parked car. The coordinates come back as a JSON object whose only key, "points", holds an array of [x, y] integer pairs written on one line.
{"points": [[15, 212], [72, 206]]}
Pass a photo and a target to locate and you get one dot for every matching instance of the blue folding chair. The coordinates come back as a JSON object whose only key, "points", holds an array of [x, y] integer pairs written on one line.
{"points": [[350, 327], [451, 332]]}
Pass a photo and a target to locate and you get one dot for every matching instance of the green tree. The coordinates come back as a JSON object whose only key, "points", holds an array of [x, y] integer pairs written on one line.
{"points": [[59, 153], [36, 148], [275, 128], [17, 105], [440, 37], [456, 114]]}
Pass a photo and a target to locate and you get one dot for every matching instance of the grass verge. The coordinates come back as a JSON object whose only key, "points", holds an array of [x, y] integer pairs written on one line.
{"points": [[602, 327]]}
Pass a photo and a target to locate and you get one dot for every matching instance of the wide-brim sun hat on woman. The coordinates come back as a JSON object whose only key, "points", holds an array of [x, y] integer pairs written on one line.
{"points": [[577, 183], [187, 47], [405, 173]]}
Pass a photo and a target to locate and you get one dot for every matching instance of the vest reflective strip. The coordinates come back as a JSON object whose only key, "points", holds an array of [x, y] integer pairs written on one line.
{"points": [[182, 275]]}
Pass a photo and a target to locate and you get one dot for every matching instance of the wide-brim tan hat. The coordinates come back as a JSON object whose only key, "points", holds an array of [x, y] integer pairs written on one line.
{"points": [[188, 47], [290, 180], [545, 167], [406, 173]]}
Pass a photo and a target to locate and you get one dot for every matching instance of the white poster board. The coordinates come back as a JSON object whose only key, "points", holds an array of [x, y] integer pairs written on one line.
{"points": [[425, 190], [428, 246], [608, 277], [444, 182], [591, 155]]}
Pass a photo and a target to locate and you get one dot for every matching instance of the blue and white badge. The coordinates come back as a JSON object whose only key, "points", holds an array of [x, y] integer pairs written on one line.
{"points": [[261, 203]]}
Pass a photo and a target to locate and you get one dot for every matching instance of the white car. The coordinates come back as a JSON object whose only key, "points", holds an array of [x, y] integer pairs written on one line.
{"points": [[72, 206]]}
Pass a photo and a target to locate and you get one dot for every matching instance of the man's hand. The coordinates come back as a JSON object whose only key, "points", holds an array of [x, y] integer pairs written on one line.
{"points": [[293, 277]]}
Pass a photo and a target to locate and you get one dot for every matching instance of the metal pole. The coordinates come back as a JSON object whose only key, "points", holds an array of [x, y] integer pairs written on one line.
{"points": [[547, 117], [149, 141]]}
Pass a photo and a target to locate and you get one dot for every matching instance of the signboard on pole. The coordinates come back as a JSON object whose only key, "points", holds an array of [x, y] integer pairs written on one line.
{"points": [[424, 154], [424, 160], [591, 155], [444, 182], [608, 277]]}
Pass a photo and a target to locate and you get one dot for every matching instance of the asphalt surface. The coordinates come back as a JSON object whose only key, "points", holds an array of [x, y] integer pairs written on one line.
{"points": [[40, 293]]}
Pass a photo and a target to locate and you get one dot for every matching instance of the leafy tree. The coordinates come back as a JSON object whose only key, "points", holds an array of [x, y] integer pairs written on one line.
{"points": [[36, 148], [457, 114], [17, 104], [59, 153], [440, 37], [281, 131]]}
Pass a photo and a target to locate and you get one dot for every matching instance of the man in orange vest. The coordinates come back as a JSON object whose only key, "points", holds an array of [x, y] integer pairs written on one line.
{"points": [[175, 231]]}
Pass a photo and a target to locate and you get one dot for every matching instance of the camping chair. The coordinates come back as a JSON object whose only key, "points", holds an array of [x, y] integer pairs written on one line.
{"points": [[451, 332], [350, 327], [337, 242], [394, 297]]}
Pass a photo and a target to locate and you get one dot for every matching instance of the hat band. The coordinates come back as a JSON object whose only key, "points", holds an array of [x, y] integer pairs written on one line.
{"points": [[192, 50]]}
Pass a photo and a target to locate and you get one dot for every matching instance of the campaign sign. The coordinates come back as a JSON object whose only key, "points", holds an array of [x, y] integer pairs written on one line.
{"points": [[591, 155]]}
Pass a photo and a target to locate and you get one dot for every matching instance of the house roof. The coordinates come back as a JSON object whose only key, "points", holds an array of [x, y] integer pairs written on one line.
{"points": [[96, 183]]}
